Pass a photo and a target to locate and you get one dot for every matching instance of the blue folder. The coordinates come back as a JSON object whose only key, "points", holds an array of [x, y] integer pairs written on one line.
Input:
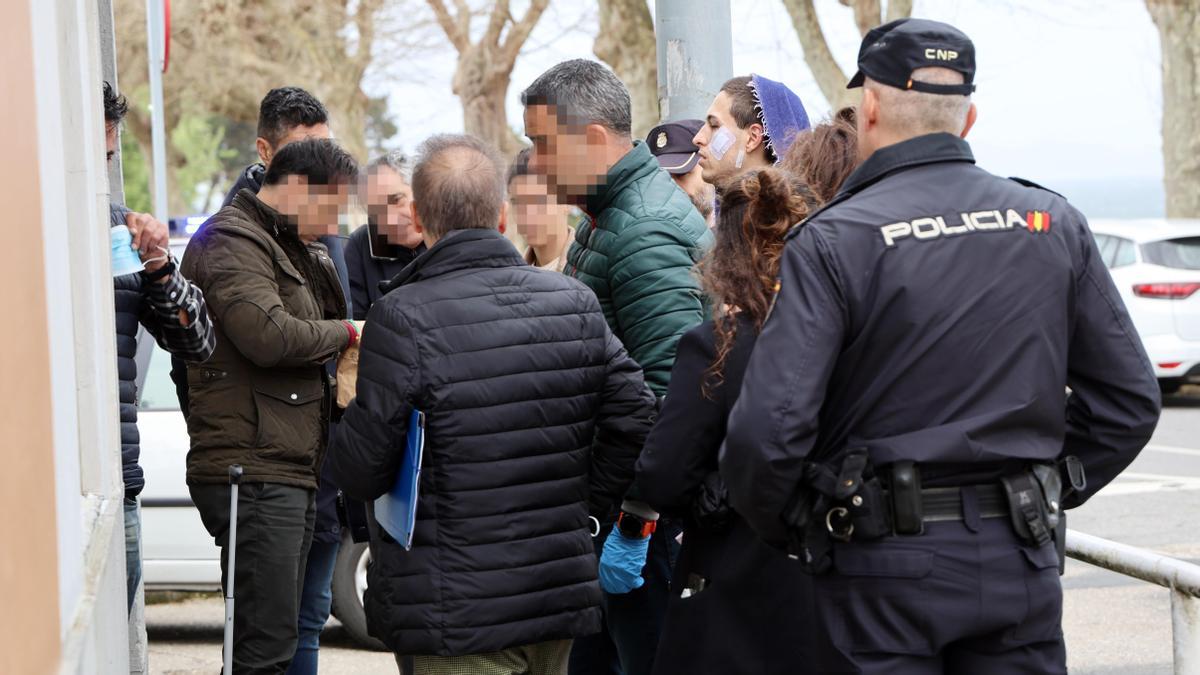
{"points": [[396, 512]]}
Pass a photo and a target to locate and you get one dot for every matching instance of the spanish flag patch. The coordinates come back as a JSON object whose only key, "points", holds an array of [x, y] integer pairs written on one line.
{"points": [[1038, 221]]}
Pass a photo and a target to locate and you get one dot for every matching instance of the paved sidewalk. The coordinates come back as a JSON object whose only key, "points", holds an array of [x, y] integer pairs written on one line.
{"points": [[185, 639]]}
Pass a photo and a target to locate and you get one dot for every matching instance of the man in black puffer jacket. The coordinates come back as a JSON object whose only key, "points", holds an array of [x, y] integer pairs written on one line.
{"points": [[170, 308], [534, 419]]}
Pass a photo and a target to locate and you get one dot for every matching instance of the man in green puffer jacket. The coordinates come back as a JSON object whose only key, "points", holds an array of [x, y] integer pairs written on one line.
{"points": [[636, 247]]}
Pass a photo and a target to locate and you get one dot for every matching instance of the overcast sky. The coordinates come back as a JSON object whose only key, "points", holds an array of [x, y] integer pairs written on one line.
{"points": [[1068, 90]]}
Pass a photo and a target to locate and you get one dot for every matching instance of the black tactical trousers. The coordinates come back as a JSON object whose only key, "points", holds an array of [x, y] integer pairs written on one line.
{"points": [[965, 597], [274, 532]]}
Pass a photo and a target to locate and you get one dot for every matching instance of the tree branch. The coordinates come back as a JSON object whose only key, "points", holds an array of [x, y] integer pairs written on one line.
{"points": [[898, 9], [817, 54], [453, 31], [499, 18], [364, 21], [519, 33], [867, 15], [626, 43]]}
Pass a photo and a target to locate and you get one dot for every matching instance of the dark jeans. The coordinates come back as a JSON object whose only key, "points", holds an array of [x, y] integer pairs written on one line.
{"points": [[632, 621], [275, 525], [133, 549], [965, 597], [314, 605]]}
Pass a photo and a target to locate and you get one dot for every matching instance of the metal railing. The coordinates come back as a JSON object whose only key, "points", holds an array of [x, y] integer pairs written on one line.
{"points": [[1181, 578]]}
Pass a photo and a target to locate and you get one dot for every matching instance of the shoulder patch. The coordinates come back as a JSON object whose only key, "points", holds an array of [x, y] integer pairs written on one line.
{"points": [[1029, 183]]}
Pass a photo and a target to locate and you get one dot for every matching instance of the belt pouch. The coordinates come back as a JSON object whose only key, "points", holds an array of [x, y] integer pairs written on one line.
{"points": [[907, 515], [868, 511], [1027, 507]]}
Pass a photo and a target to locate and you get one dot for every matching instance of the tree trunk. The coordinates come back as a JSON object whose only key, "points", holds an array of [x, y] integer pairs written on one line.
{"points": [[347, 108], [825, 70], [482, 87], [867, 14], [626, 43], [898, 9], [1178, 24]]}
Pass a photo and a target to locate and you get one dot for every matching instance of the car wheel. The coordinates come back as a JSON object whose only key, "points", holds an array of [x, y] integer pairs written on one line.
{"points": [[349, 584], [1170, 385]]}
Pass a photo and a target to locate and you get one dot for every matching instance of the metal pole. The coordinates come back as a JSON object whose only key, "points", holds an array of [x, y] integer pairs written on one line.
{"points": [[1139, 563], [695, 55], [108, 68], [1185, 631], [155, 38], [235, 479]]}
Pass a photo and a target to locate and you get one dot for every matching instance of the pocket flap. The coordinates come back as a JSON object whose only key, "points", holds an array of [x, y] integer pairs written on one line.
{"points": [[291, 390], [1041, 557], [883, 562]]}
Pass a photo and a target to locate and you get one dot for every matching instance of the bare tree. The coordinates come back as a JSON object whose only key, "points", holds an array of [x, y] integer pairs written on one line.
{"points": [[225, 55], [829, 75], [626, 43], [485, 67], [1178, 22]]}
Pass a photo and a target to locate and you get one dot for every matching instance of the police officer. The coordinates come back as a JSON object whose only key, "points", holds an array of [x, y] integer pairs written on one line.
{"points": [[902, 428]]}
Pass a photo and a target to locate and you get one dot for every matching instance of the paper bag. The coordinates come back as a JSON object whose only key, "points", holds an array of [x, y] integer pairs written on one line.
{"points": [[347, 376]]}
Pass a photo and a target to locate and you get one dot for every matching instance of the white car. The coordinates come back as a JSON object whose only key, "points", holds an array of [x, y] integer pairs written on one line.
{"points": [[178, 554], [1156, 266]]}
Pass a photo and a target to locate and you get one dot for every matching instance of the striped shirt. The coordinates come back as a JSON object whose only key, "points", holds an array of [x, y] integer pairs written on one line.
{"points": [[166, 304]]}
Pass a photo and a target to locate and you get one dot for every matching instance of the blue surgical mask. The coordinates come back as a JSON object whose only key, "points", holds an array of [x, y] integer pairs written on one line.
{"points": [[125, 260]]}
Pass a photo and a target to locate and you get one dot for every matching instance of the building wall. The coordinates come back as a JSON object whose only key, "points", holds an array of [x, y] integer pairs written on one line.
{"points": [[30, 626], [63, 565]]}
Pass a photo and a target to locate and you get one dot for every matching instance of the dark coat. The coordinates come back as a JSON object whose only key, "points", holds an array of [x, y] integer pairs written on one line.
{"points": [[535, 416], [751, 616], [263, 399], [936, 313], [367, 271], [129, 302], [327, 528]]}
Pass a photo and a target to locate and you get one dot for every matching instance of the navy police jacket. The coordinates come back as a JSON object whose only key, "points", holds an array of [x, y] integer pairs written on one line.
{"points": [[936, 313]]}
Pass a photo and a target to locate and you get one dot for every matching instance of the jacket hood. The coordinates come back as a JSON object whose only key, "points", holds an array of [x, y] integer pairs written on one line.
{"points": [[460, 249]]}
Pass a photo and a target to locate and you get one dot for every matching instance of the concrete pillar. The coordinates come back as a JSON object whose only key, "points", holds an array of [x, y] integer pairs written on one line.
{"points": [[695, 55]]}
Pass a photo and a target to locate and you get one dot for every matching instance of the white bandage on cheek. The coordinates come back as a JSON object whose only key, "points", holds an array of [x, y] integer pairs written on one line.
{"points": [[741, 158], [722, 141]]}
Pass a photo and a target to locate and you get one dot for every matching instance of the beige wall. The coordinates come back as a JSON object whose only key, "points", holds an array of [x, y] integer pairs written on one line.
{"points": [[30, 623]]}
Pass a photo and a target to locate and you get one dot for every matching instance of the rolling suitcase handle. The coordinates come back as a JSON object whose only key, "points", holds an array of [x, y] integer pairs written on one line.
{"points": [[235, 478]]}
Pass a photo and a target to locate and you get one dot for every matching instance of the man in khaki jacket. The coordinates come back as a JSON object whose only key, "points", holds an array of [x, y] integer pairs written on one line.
{"points": [[263, 399]]}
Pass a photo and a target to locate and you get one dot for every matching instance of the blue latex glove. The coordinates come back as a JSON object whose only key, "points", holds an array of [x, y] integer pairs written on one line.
{"points": [[621, 563]]}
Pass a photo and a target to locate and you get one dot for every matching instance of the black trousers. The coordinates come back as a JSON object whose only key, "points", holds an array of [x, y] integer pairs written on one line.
{"points": [[628, 640], [965, 597], [274, 532]]}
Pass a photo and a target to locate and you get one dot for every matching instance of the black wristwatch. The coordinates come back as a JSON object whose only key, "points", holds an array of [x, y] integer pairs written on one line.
{"points": [[634, 526], [166, 270]]}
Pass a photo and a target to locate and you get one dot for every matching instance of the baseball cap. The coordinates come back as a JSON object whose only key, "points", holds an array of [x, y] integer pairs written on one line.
{"points": [[890, 53], [672, 144]]}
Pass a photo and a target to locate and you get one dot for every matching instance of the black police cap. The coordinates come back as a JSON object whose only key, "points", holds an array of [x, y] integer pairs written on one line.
{"points": [[671, 143], [890, 53]]}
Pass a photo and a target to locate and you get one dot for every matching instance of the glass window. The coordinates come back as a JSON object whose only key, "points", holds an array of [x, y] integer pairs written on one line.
{"points": [[158, 391], [1181, 254], [1106, 244], [1126, 253]]}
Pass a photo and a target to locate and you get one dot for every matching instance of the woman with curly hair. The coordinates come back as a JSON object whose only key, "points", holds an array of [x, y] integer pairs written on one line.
{"points": [[824, 156], [734, 600]]}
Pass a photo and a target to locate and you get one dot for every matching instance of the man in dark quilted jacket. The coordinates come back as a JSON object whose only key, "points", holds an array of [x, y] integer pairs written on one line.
{"points": [[534, 418], [635, 248]]}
